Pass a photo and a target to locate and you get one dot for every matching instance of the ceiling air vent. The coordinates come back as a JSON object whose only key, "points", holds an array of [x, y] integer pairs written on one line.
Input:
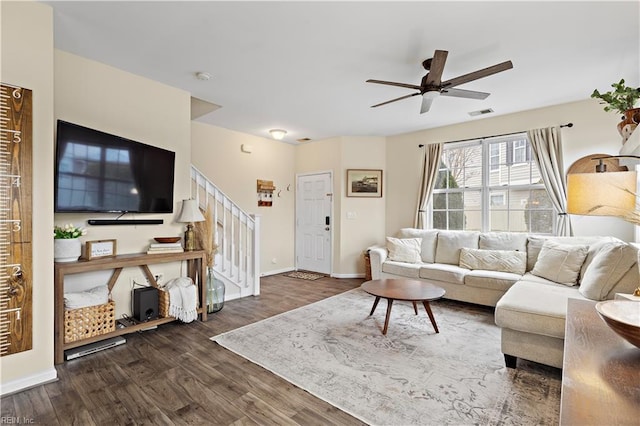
{"points": [[303, 140], [481, 112]]}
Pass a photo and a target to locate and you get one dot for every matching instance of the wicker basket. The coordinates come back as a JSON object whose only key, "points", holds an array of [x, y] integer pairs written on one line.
{"points": [[163, 303], [367, 266], [87, 322]]}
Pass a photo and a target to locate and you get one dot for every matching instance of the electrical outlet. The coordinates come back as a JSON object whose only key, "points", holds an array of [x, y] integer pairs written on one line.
{"points": [[142, 281]]}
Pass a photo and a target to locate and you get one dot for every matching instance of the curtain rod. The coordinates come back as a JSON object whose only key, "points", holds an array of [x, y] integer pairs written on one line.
{"points": [[495, 136]]}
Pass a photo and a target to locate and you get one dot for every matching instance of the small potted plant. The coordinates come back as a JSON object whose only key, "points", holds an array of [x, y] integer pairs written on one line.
{"points": [[623, 99], [66, 242]]}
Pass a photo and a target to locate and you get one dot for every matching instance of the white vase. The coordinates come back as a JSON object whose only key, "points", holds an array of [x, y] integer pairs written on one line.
{"points": [[66, 249]]}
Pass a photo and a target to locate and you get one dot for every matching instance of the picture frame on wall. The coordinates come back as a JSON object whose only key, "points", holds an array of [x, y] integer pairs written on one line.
{"points": [[364, 183]]}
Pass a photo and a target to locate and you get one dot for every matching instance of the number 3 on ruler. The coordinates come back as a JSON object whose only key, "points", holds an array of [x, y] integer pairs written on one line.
{"points": [[16, 226]]}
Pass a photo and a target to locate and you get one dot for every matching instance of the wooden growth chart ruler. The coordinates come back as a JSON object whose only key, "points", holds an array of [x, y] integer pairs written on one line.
{"points": [[16, 279]]}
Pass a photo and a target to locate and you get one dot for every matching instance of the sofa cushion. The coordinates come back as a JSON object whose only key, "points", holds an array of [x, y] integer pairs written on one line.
{"points": [[627, 284], [535, 242], [535, 305], [560, 263], [429, 240], [492, 280], [450, 243], [443, 272], [494, 260], [608, 266], [503, 241], [404, 249], [409, 270]]}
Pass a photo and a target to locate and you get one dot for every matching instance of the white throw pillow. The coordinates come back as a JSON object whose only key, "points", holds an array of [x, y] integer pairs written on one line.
{"points": [[450, 243], [560, 263], [92, 297], [404, 249], [609, 265], [494, 260]]}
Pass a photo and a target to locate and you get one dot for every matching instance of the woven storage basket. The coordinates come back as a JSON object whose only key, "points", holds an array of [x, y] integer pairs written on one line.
{"points": [[163, 303], [87, 322]]}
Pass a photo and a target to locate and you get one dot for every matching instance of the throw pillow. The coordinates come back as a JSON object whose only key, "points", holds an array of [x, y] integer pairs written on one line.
{"points": [[560, 262], [494, 260], [450, 243], [609, 265], [404, 249], [429, 239]]}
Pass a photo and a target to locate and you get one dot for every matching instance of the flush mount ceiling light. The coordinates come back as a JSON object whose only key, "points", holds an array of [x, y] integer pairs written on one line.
{"points": [[204, 76], [277, 134]]}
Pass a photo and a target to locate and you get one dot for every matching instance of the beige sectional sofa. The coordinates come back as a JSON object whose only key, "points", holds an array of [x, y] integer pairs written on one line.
{"points": [[527, 278]]}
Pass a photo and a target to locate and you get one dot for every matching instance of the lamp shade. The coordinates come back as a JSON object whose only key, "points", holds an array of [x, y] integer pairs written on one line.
{"points": [[601, 194], [190, 212]]}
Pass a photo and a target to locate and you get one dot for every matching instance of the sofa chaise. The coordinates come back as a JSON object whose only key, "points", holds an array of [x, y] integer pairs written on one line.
{"points": [[527, 278]]}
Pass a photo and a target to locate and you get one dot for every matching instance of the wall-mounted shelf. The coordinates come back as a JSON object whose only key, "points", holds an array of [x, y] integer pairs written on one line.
{"points": [[195, 270]]}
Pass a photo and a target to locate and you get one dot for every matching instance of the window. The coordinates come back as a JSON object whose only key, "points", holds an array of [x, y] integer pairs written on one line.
{"points": [[491, 184]]}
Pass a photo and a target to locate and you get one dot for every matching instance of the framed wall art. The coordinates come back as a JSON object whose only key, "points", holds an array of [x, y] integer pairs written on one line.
{"points": [[100, 248], [364, 183]]}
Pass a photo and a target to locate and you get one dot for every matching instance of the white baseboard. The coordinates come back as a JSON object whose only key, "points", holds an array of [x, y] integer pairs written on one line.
{"points": [[278, 271], [28, 382], [347, 275]]}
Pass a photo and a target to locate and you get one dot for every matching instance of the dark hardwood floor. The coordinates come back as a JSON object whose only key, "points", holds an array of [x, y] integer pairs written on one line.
{"points": [[176, 375]]}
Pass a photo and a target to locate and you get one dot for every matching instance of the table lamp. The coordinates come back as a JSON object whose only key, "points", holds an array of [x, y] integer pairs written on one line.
{"points": [[190, 213]]}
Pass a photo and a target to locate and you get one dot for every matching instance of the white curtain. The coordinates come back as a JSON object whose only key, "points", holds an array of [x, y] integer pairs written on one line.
{"points": [[546, 147], [430, 165]]}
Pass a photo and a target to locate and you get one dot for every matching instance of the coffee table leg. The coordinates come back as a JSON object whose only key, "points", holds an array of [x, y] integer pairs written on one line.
{"points": [[386, 320], [375, 304], [427, 307], [415, 308]]}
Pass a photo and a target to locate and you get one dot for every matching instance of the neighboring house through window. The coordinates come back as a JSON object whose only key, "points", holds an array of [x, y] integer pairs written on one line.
{"points": [[491, 184]]}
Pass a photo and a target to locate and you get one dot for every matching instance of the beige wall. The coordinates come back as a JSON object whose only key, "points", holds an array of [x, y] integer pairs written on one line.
{"points": [[216, 152], [27, 61], [350, 236], [594, 131], [104, 98]]}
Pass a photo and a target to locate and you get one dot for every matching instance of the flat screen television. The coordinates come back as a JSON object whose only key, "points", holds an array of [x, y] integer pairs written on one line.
{"points": [[100, 172]]}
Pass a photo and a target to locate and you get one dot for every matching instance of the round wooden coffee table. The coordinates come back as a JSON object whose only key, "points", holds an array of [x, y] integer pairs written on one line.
{"points": [[403, 289]]}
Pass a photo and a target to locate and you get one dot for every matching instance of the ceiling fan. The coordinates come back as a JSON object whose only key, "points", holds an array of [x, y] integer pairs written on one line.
{"points": [[431, 86]]}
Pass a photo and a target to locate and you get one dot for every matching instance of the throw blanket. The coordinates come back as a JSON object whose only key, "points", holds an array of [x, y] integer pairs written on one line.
{"points": [[183, 299]]}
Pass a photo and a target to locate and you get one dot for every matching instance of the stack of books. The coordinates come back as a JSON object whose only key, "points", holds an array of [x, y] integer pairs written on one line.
{"points": [[165, 248]]}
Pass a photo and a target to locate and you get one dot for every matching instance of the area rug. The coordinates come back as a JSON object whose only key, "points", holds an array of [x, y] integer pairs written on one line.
{"points": [[412, 376], [304, 275]]}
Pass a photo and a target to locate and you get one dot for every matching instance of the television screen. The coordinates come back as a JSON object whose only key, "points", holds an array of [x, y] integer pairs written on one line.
{"points": [[100, 172]]}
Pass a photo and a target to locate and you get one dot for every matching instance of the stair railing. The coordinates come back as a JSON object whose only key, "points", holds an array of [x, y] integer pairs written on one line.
{"points": [[237, 235]]}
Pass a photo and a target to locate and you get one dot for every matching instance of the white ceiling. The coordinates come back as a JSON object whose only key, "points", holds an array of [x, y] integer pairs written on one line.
{"points": [[302, 66]]}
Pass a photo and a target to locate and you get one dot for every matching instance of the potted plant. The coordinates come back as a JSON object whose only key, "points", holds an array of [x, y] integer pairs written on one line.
{"points": [[622, 99], [66, 242]]}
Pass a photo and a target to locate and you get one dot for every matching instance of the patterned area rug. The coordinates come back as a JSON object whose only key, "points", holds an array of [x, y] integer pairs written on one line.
{"points": [[304, 275], [412, 376]]}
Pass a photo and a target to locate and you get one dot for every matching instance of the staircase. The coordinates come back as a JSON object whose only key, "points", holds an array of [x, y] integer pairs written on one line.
{"points": [[237, 235]]}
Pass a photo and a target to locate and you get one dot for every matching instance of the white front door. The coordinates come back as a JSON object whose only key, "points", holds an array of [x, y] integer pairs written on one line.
{"points": [[314, 195]]}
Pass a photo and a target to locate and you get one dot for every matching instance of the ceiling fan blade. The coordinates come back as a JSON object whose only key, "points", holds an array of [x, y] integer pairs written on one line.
{"points": [[391, 83], [460, 93], [436, 68], [485, 72], [396, 99], [427, 100]]}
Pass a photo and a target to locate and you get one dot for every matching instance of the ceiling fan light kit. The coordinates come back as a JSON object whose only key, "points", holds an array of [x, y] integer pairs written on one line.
{"points": [[432, 86]]}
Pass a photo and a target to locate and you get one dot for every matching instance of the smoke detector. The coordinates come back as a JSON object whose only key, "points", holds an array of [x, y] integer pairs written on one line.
{"points": [[204, 76]]}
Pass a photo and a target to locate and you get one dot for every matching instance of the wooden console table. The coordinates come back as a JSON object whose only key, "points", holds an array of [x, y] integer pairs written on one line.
{"points": [[195, 270], [600, 373]]}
